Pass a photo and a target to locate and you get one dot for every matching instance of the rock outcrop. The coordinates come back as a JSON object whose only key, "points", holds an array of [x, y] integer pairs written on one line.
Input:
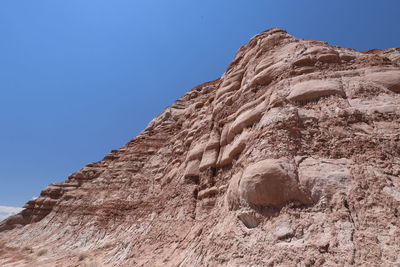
{"points": [[291, 158]]}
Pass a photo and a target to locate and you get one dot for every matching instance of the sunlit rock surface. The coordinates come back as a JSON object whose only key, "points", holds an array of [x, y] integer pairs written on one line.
{"points": [[291, 158]]}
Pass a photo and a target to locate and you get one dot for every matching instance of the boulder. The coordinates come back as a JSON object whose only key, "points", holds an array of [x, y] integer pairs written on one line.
{"points": [[271, 182]]}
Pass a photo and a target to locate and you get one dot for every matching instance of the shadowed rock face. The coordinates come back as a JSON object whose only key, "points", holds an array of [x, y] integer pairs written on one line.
{"points": [[292, 157]]}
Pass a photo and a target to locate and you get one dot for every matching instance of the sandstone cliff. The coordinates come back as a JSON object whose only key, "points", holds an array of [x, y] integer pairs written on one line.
{"points": [[291, 158]]}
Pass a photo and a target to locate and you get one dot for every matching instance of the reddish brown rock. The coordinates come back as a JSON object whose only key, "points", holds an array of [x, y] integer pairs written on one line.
{"points": [[291, 158], [271, 182], [314, 89]]}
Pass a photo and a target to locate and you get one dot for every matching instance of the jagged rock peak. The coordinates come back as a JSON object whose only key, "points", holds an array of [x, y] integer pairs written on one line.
{"points": [[290, 158]]}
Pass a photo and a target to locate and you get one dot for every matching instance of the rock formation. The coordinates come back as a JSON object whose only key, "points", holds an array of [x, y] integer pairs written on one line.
{"points": [[291, 158]]}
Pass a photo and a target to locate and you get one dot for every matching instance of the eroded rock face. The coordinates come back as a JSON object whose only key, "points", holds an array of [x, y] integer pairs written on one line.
{"points": [[325, 177], [291, 158], [314, 89], [388, 79]]}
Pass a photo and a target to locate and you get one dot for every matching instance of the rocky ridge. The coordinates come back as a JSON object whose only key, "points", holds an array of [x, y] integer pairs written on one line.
{"points": [[291, 158]]}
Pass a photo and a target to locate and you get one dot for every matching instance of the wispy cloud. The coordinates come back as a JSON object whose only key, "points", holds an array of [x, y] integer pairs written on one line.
{"points": [[6, 211]]}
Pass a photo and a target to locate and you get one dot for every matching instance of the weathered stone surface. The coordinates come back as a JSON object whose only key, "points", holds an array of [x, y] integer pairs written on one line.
{"points": [[304, 61], [232, 195], [209, 159], [231, 83], [380, 104], [244, 120], [267, 75], [196, 152], [208, 192], [312, 90], [291, 158], [325, 177], [210, 155], [271, 182], [389, 79], [192, 168], [249, 218], [283, 231], [230, 151]]}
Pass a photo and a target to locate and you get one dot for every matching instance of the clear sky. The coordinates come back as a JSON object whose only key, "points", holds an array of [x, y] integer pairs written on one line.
{"points": [[81, 77]]}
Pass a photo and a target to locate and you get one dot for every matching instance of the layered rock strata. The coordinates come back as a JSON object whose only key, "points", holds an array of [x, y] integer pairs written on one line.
{"points": [[291, 158]]}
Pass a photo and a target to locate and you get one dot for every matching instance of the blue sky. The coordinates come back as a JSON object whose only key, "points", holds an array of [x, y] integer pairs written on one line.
{"points": [[81, 77]]}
